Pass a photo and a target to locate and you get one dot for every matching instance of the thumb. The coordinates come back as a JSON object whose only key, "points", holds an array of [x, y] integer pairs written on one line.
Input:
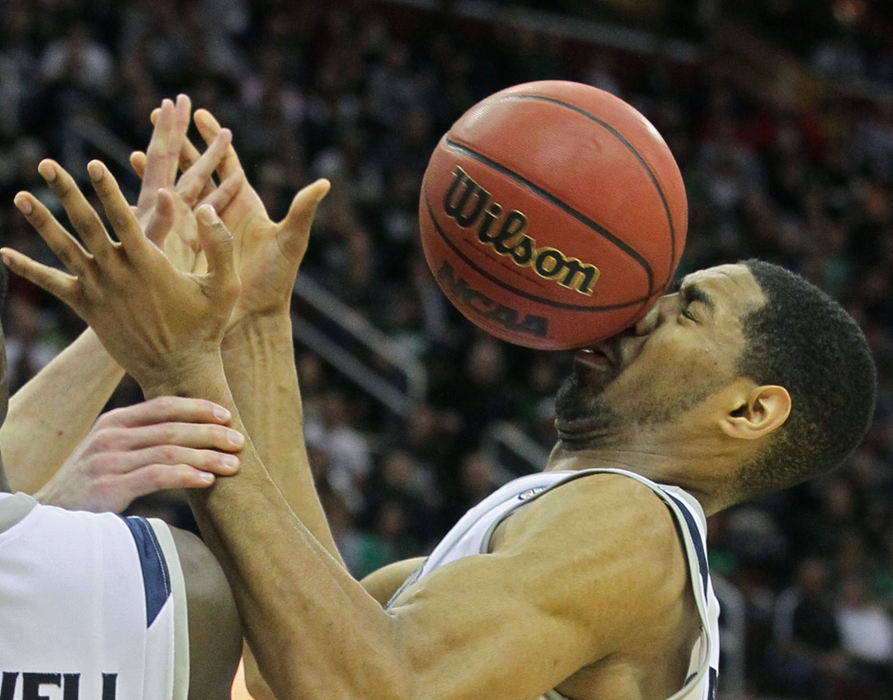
{"points": [[296, 224], [217, 243]]}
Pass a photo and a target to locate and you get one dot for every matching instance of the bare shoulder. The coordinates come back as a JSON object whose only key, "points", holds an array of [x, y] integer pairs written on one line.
{"points": [[598, 504], [613, 537], [215, 636], [588, 574]]}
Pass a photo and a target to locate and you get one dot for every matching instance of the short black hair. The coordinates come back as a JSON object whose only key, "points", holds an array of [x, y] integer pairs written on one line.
{"points": [[806, 342]]}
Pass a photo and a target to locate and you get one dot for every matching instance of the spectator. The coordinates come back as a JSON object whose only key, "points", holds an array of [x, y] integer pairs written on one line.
{"points": [[347, 451], [866, 632], [27, 351], [810, 656]]}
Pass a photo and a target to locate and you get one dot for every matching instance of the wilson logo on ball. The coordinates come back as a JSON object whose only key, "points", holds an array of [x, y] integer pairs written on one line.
{"points": [[467, 202]]}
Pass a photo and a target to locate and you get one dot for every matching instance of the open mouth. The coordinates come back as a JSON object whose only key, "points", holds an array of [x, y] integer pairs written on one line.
{"points": [[602, 357]]}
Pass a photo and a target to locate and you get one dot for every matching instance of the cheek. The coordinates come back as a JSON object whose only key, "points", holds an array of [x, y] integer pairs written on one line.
{"points": [[667, 372]]}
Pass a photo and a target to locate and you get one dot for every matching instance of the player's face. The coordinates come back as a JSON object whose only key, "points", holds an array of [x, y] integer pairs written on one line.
{"points": [[684, 350]]}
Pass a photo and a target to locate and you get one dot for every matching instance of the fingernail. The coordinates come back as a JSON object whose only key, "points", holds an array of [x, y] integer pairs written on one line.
{"points": [[207, 477], [230, 461], [234, 437], [22, 204], [94, 169], [220, 413], [207, 214]]}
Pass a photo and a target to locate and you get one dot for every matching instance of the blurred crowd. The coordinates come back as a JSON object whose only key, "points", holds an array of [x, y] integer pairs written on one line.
{"points": [[359, 92]]}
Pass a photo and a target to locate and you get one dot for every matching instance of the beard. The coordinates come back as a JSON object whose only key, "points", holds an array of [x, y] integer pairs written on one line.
{"points": [[586, 417], [583, 418]]}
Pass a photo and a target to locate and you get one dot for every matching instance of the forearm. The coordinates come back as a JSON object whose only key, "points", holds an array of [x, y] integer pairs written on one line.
{"points": [[313, 628], [60, 404], [258, 357]]}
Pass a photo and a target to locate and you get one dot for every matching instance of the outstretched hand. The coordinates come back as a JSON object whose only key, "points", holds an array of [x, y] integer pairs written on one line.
{"points": [[166, 202], [267, 254], [166, 443], [156, 321]]}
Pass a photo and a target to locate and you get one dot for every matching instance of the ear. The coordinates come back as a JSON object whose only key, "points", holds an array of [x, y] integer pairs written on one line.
{"points": [[757, 412]]}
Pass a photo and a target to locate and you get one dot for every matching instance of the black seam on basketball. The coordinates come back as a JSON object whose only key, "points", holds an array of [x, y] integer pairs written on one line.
{"points": [[632, 150], [582, 218], [498, 282]]}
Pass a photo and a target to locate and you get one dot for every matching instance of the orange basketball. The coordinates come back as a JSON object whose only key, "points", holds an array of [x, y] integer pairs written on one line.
{"points": [[553, 215]]}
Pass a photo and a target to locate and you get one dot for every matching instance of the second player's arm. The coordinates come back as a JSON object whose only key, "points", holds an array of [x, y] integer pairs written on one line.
{"points": [[60, 403], [63, 400], [258, 356], [258, 349]]}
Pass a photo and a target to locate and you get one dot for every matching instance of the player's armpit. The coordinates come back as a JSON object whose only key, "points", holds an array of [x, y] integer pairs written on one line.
{"points": [[587, 571], [383, 583]]}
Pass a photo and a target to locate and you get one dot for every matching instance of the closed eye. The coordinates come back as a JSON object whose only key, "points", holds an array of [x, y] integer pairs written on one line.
{"points": [[693, 294]]}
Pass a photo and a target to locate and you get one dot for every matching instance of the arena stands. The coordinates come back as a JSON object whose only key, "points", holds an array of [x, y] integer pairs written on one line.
{"points": [[780, 115]]}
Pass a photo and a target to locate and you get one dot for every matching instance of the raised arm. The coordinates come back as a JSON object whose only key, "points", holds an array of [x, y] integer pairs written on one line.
{"points": [[258, 349], [64, 399], [44, 406], [556, 596]]}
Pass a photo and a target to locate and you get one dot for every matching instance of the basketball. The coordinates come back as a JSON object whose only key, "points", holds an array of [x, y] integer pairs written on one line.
{"points": [[553, 215]]}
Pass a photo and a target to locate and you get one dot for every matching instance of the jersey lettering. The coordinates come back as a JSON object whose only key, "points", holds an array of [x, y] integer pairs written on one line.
{"points": [[34, 685]]}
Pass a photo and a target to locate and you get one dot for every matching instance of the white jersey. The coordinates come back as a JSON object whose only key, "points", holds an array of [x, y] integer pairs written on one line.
{"points": [[471, 535], [92, 606]]}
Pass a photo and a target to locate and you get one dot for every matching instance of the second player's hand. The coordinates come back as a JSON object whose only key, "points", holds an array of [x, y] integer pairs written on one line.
{"points": [[267, 253], [156, 321], [166, 443], [165, 202]]}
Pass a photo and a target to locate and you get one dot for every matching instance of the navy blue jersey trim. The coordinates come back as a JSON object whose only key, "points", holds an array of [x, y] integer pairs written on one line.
{"points": [[696, 540], [711, 687], [156, 577]]}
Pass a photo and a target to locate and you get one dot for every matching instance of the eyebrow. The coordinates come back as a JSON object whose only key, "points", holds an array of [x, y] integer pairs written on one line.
{"points": [[691, 293]]}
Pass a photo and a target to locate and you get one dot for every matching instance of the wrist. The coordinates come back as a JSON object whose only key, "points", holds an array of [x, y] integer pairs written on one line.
{"points": [[94, 345], [200, 377], [265, 327]]}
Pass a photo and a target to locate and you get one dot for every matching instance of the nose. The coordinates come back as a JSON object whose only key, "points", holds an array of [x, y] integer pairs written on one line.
{"points": [[650, 321]]}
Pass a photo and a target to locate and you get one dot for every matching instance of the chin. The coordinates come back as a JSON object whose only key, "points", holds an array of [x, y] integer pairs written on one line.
{"points": [[582, 418], [580, 395]]}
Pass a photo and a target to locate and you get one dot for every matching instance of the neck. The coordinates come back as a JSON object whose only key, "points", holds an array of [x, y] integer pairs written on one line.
{"points": [[701, 472]]}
